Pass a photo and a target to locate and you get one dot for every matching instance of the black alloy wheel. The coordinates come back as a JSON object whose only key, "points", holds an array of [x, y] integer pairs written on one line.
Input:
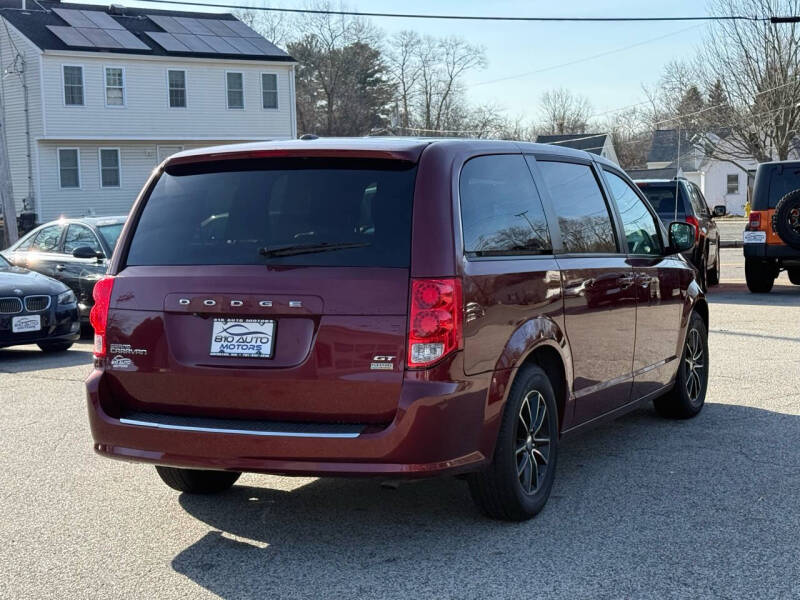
{"points": [[533, 442], [686, 399], [516, 484]]}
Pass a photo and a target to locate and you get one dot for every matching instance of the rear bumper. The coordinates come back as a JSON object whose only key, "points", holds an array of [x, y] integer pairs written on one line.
{"points": [[772, 251], [440, 427]]}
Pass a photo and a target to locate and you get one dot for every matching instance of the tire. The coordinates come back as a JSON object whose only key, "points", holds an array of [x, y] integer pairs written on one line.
{"points": [[787, 219], [686, 399], [759, 274], [794, 275], [501, 490], [193, 481], [54, 346], [712, 276]]}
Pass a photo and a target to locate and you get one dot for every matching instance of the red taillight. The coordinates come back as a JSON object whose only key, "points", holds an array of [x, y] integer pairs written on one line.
{"points": [[755, 221], [434, 325], [696, 224], [98, 316]]}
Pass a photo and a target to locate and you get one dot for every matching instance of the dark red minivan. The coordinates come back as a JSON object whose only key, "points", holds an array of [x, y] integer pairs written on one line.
{"points": [[389, 307]]}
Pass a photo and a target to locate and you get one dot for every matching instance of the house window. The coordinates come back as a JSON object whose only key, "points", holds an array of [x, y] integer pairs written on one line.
{"points": [[115, 86], [68, 168], [73, 85], [269, 90], [109, 167], [177, 89], [733, 184], [235, 87]]}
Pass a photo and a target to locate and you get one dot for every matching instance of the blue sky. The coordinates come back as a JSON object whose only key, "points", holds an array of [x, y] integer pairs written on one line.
{"points": [[610, 81]]}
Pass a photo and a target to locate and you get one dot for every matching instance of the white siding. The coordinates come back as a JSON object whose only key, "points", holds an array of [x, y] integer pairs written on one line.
{"points": [[13, 100], [147, 115], [715, 186], [137, 160]]}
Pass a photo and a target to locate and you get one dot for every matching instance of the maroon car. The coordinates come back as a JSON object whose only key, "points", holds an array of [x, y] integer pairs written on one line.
{"points": [[389, 307]]}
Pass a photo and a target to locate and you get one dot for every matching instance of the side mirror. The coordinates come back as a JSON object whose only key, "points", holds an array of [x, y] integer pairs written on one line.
{"points": [[681, 237], [720, 210], [87, 252]]}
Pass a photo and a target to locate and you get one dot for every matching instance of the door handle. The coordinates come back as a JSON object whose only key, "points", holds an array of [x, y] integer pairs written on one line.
{"points": [[60, 267]]}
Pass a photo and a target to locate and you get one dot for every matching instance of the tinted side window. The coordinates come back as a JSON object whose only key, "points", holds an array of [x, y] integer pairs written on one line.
{"points": [[583, 217], [47, 239], [501, 212], [699, 203], [641, 231], [77, 236]]}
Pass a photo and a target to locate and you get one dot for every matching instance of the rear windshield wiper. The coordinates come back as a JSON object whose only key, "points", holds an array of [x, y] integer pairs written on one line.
{"points": [[309, 248]]}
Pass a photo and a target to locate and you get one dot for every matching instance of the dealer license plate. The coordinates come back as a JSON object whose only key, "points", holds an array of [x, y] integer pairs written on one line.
{"points": [[252, 338], [26, 323], [754, 237]]}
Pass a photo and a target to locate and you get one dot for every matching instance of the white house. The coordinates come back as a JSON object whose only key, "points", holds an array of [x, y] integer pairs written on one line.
{"points": [[93, 98], [721, 181]]}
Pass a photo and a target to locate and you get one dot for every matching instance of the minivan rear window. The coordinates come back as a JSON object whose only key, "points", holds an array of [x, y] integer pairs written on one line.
{"points": [[310, 212]]}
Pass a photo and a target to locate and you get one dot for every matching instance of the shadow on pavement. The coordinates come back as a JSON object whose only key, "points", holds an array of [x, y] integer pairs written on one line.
{"points": [[737, 293], [643, 507], [20, 359]]}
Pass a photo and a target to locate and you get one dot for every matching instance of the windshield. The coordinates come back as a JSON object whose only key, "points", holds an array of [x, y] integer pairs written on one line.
{"points": [[236, 212], [111, 233], [662, 198], [4, 262]]}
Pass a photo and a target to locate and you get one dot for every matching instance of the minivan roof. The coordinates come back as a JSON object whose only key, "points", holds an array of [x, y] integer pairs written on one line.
{"points": [[400, 148]]}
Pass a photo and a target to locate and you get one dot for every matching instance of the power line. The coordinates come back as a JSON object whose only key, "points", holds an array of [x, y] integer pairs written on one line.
{"points": [[352, 13], [586, 58]]}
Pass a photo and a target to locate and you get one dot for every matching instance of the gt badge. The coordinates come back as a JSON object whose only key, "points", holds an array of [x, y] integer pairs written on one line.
{"points": [[381, 362]]}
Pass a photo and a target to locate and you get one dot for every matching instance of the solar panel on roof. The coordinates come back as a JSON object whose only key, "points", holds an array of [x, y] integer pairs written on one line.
{"points": [[167, 41], [101, 19], [168, 24], [209, 36], [242, 45], [99, 37], [219, 44], [193, 42], [70, 36], [194, 25], [218, 27], [128, 40], [264, 46], [242, 29], [74, 17]]}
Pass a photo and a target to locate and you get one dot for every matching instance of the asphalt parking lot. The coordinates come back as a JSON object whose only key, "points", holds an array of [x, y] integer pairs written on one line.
{"points": [[641, 508]]}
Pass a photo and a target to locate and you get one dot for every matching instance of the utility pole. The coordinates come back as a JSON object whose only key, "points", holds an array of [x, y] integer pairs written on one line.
{"points": [[10, 233]]}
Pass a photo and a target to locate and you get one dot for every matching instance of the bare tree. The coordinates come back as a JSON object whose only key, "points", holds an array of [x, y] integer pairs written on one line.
{"points": [[443, 63], [631, 135], [403, 59], [564, 112], [758, 67], [277, 27]]}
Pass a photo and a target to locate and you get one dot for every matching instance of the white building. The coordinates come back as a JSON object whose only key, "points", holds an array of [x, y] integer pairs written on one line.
{"points": [[93, 98], [722, 181]]}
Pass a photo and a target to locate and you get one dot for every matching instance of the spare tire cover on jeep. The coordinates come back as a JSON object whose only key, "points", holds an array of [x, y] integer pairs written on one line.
{"points": [[787, 219]]}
